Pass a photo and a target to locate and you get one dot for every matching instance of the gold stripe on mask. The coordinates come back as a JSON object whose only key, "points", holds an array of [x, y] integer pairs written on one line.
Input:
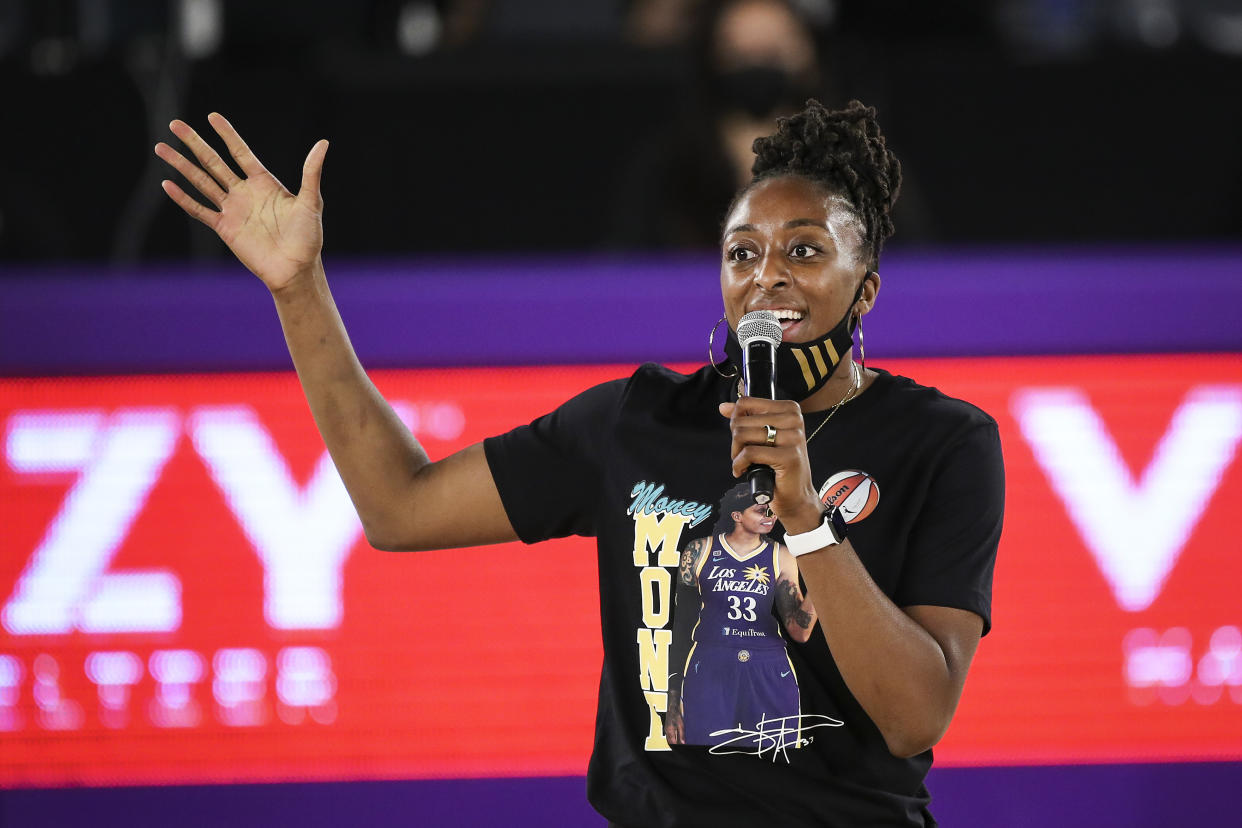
{"points": [[819, 361], [832, 353], [806, 367]]}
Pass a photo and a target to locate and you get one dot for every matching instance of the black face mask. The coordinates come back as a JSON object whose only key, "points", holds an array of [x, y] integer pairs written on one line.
{"points": [[802, 368], [758, 90]]}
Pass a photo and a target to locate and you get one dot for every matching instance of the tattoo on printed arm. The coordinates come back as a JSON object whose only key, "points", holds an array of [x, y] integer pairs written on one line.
{"points": [[689, 558], [789, 604]]}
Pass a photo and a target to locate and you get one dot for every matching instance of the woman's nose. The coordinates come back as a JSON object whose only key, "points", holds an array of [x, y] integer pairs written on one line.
{"points": [[771, 272]]}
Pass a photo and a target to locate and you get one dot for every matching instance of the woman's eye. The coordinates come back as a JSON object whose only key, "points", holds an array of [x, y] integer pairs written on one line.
{"points": [[741, 254], [801, 251]]}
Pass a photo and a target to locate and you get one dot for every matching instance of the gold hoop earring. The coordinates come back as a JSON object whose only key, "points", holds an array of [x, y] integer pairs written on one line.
{"points": [[862, 347], [711, 356]]}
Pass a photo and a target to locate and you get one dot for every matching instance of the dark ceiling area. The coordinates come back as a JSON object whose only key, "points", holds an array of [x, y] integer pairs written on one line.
{"points": [[514, 141]]}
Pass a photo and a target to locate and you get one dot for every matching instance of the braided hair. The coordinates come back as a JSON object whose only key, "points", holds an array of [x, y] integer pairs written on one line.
{"points": [[843, 151]]}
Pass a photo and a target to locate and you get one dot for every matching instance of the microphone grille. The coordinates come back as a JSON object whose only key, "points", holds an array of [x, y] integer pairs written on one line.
{"points": [[759, 324]]}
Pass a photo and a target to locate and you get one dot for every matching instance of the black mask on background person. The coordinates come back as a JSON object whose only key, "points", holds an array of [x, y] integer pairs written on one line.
{"points": [[758, 90], [802, 368]]}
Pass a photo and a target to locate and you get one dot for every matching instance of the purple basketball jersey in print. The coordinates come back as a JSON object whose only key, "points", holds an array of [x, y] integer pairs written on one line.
{"points": [[738, 672]]}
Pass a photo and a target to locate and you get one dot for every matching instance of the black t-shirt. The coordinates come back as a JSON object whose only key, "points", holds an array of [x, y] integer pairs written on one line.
{"points": [[642, 464]]}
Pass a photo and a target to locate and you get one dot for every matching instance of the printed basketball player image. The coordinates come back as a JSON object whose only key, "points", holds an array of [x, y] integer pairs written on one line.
{"points": [[736, 588]]}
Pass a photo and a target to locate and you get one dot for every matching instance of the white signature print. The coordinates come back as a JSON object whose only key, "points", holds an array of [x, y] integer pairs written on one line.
{"points": [[773, 735]]}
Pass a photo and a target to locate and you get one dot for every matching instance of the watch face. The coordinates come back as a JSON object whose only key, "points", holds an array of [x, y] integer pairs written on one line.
{"points": [[838, 524]]}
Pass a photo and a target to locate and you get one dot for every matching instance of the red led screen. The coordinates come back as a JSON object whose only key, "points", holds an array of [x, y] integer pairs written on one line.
{"points": [[186, 594]]}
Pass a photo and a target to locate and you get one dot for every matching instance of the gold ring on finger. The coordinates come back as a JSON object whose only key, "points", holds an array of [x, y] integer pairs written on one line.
{"points": [[771, 440]]}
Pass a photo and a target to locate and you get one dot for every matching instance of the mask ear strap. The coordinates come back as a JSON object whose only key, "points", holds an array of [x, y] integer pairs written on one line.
{"points": [[862, 347], [856, 318], [711, 352]]}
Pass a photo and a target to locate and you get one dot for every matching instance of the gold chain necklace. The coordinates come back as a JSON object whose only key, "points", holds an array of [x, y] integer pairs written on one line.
{"points": [[849, 395]]}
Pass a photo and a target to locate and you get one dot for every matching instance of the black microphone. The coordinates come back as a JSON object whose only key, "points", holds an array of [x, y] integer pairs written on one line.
{"points": [[759, 334]]}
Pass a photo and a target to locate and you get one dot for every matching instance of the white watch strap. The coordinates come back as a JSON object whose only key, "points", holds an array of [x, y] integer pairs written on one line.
{"points": [[818, 538]]}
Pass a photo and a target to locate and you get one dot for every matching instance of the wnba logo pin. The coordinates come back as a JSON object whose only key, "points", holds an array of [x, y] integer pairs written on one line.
{"points": [[854, 493]]}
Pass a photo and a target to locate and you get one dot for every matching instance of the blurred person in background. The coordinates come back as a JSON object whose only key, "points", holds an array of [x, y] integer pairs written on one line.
{"points": [[753, 61]]}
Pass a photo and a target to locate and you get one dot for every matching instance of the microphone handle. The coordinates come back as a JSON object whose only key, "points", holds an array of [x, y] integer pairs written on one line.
{"points": [[759, 373]]}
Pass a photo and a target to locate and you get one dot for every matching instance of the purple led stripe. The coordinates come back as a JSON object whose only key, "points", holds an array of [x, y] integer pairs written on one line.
{"points": [[592, 309]]}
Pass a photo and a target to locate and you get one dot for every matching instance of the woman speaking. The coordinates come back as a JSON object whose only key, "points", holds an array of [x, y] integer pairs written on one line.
{"points": [[889, 494]]}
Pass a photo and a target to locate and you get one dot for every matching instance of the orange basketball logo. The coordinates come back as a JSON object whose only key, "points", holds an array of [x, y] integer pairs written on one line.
{"points": [[854, 493]]}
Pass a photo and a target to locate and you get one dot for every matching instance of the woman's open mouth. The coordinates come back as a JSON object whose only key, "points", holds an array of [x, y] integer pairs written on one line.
{"points": [[789, 320]]}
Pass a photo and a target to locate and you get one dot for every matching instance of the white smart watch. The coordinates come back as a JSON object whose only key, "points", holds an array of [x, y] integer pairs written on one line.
{"points": [[829, 533]]}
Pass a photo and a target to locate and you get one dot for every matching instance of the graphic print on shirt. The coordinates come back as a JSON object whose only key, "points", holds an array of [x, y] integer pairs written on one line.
{"points": [[854, 493], [659, 522], [733, 686]]}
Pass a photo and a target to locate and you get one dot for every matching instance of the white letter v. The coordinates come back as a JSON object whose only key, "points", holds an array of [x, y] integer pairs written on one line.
{"points": [[1134, 531]]}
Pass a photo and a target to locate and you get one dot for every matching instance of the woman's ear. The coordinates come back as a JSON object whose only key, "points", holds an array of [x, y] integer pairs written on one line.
{"points": [[870, 289]]}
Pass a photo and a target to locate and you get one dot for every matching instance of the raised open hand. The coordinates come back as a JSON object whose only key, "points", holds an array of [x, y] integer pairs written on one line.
{"points": [[276, 234]]}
